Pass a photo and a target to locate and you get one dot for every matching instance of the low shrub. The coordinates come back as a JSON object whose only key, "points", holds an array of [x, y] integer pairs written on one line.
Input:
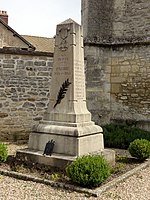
{"points": [[3, 152], [88, 171], [121, 135], [140, 149]]}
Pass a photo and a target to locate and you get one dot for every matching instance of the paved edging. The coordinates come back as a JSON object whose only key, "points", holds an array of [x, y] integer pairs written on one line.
{"points": [[94, 192]]}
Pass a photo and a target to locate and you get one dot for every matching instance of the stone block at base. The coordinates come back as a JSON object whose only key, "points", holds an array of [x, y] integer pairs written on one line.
{"points": [[68, 145], [57, 160], [109, 155]]}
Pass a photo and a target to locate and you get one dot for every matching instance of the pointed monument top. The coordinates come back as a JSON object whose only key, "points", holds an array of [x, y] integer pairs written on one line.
{"points": [[68, 21]]}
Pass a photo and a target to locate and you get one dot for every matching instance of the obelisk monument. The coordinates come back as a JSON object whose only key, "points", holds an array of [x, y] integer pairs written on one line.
{"points": [[67, 120]]}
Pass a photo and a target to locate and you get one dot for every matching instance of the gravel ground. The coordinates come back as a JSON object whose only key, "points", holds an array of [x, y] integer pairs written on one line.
{"points": [[136, 187]]}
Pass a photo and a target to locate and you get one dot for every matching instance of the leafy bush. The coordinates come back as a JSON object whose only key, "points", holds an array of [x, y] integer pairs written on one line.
{"points": [[140, 149], [88, 171], [121, 135], [3, 152]]}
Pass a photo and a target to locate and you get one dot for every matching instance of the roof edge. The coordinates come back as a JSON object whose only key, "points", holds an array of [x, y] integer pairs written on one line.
{"points": [[25, 52], [17, 34]]}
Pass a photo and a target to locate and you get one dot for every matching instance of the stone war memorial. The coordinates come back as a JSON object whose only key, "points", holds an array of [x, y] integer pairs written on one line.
{"points": [[66, 127]]}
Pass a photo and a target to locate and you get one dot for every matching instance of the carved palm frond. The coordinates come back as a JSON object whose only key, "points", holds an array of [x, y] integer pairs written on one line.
{"points": [[62, 91]]}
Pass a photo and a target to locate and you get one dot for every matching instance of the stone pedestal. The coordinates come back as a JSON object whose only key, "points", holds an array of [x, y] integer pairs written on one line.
{"points": [[75, 139], [67, 120]]}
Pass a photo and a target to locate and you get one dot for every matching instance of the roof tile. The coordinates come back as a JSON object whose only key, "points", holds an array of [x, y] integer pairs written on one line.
{"points": [[42, 44]]}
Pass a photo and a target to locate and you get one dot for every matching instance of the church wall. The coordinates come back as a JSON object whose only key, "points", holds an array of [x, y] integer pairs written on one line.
{"points": [[116, 21], [118, 83], [117, 46]]}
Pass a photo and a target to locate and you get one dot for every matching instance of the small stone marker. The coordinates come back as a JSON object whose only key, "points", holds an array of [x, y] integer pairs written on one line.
{"points": [[67, 120]]}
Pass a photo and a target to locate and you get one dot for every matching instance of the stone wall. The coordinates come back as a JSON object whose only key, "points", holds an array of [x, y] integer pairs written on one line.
{"points": [[116, 21], [131, 20], [98, 71], [118, 82], [24, 90], [117, 46], [130, 78]]}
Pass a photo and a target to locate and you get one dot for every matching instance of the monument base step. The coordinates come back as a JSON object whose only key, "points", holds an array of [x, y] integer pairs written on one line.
{"points": [[67, 145], [58, 160]]}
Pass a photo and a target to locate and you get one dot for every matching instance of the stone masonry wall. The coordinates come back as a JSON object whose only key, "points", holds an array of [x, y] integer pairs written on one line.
{"points": [[98, 71], [116, 21], [130, 78], [118, 82], [24, 91], [117, 45]]}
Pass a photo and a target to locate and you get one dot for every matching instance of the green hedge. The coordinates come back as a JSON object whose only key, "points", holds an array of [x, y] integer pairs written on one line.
{"points": [[140, 148], [88, 171], [3, 152], [120, 135]]}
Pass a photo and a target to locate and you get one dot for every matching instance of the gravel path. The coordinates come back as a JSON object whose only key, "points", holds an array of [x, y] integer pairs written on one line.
{"points": [[136, 187]]}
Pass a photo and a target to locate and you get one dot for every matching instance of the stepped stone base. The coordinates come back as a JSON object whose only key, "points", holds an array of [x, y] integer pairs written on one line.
{"points": [[58, 160], [73, 139], [73, 146]]}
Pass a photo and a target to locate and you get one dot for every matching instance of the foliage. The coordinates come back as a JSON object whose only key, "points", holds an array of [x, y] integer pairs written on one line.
{"points": [[119, 167], [56, 176], [62, 91], [88, 171], [121, 135], [3, 152], [140, 148]]}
